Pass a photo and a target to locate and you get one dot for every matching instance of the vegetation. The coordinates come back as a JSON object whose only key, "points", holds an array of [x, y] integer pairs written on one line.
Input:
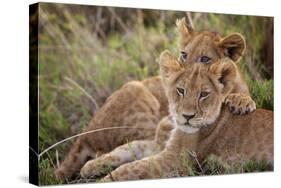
{"points": [[86, 53]]}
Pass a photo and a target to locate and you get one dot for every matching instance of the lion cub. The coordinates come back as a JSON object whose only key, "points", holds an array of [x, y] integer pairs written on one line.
{"points": [[198, 121], [207, 47], [142, 104]]}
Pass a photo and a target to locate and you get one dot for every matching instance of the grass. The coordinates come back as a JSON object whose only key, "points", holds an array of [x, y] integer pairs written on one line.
{"points": [[214, 165], [82, 60]]}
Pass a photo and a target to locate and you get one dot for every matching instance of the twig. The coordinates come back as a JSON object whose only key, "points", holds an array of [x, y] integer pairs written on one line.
{"points": [[99, 22], [189, 20], [111, 177], [57, 158], [84, 133], [51, 161], [194, 155], [118, 19], [33, 150], [84, 91]]}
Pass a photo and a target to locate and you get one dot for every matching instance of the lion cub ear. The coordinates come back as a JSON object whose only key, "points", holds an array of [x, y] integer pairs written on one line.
{"points": [[224, 73], [234, 46], [168, 64], [184, 31]]}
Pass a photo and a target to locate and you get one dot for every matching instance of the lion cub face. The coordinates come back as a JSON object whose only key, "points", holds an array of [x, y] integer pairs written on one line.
{"points": [[207, 47], [196, 92]]}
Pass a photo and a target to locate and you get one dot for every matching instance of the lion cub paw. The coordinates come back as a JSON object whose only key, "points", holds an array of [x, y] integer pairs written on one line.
{"points": [[91, 168], [240, 104]]}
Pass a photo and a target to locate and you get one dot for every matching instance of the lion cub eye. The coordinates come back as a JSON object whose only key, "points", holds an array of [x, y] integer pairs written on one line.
{"points": [[183, 56], [180, 91], [204, 94], [205, 59]]}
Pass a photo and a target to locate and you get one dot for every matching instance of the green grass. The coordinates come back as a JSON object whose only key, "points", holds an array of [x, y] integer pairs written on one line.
{"points": [[46, 172], [73, 54], [214, 165]]}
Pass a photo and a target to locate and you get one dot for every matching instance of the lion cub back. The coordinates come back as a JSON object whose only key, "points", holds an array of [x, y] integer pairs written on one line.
{"points": [[244, 138]]}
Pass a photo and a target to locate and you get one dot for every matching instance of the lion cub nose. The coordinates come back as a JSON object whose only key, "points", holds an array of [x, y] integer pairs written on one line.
{"points": [[188, 116]]}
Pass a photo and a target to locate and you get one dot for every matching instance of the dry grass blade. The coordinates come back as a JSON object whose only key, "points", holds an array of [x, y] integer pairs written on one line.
{"points": [[84, 133], [84, 91], [194, 155], [189, 20], [57, 158], [119, 20]]}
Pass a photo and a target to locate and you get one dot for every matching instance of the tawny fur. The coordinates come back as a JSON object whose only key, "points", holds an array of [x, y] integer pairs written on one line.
{"points": [[211, 44], [144, 104], [134, 105], [129, 152], [235, 139]]}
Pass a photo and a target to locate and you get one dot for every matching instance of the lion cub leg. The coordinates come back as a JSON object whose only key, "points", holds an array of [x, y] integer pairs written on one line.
{"points": [[160, 165], [240, 104], [155, 166], [123, 154], [75, 159], [132, 151]]}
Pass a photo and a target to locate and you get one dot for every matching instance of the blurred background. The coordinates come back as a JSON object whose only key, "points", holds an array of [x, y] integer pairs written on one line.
{"points": [[87, 52]]}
